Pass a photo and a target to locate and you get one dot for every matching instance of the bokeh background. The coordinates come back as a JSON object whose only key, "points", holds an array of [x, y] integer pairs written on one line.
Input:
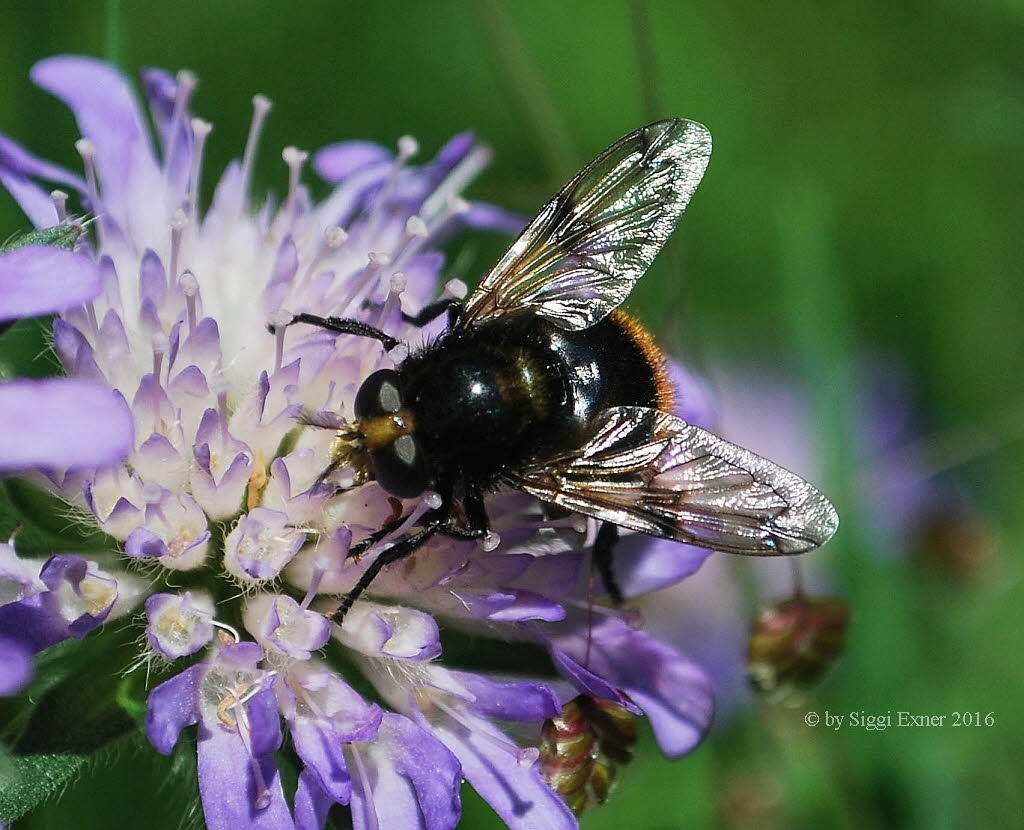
{"points": [[859, 227]]}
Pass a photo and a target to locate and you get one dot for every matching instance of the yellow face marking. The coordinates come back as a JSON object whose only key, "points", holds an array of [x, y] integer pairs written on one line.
{"points": [[382, 430]]}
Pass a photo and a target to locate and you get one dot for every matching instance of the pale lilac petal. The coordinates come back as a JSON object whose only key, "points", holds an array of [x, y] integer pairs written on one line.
{"points": [[40, 279], [61, 423], [108, 114], [337, 162], [391, 631], [587, 682]]}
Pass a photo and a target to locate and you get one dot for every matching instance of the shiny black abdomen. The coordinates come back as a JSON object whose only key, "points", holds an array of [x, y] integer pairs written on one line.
{"points": [[520, 390]]}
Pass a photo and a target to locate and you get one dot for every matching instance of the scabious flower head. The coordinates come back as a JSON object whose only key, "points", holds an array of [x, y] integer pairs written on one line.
{"points": [[224, 539]]}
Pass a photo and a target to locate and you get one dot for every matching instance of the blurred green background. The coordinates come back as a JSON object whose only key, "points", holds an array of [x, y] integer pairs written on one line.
{"points": [[864, 197]]}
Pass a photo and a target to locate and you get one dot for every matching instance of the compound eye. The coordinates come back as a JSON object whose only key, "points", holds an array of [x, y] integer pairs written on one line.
{"points": [[399, 468], [379, 394]]}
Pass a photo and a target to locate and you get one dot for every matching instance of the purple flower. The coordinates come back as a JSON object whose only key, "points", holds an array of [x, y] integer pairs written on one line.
{"points": [[66, 596], [84, 423], [223, 483]]}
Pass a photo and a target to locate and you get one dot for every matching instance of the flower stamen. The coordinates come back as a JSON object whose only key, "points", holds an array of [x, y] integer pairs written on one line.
{"points": [[186, 85], [60, 205], [260, 107]]}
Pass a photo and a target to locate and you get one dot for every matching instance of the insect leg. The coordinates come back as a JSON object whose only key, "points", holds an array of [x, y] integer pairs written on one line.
{"points": [[346, 326], [399, 550], [364, 545], [431, 312], [603, 558]]}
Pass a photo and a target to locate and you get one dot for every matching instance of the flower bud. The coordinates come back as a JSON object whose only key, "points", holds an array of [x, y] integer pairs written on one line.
{"points": [[793, 642]]}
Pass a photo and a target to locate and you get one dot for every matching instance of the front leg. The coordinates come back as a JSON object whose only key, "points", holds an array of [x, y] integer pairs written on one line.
{"points": [[341, 325], [431, 312], [400, 550]]}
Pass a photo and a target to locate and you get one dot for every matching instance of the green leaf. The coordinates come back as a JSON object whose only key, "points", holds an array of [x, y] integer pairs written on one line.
{"points": [[64, 235], [26, 781], [25, 350]]}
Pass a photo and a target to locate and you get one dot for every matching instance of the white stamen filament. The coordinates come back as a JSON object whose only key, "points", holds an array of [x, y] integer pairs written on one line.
{"points": [[294, 158], [200, 130], [190, 288], [225, 627], [87, 150], [407, 148], [504, 743], [279, 321], [260, 108], [363, 284], [178, 223], [372, 821], [334, 238], [186, 85], [263, 797], [161, 344], [60, 205]]}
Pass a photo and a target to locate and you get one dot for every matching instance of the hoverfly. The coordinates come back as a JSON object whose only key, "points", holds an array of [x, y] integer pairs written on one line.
{"points": [[541, 384]]}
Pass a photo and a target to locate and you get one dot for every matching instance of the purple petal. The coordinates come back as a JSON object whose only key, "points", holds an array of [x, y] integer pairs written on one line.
{"points": [[18, 168], [228, 785], [695, 401], [339, 161], [413, 781], [108, 115], [588, 682], [179, 624], [529, 606], [311, 803], [15, 666], [516, 790], [673, 692], [40, 279], [61, 423], [644, 563], [143, 543], [509, 701], [172, 706], [324, 714], [486, 217]]}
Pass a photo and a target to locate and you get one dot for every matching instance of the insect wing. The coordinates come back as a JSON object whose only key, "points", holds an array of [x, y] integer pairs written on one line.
{"points": [[650, 471], [579, 259]]}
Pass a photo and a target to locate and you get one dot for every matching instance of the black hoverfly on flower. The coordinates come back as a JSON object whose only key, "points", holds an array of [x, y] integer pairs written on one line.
{"points": [[541, 383]]}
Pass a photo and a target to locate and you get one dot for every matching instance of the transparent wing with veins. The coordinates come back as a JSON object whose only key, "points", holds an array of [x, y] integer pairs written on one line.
{"points": [[581, 256], [650, 471]]}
